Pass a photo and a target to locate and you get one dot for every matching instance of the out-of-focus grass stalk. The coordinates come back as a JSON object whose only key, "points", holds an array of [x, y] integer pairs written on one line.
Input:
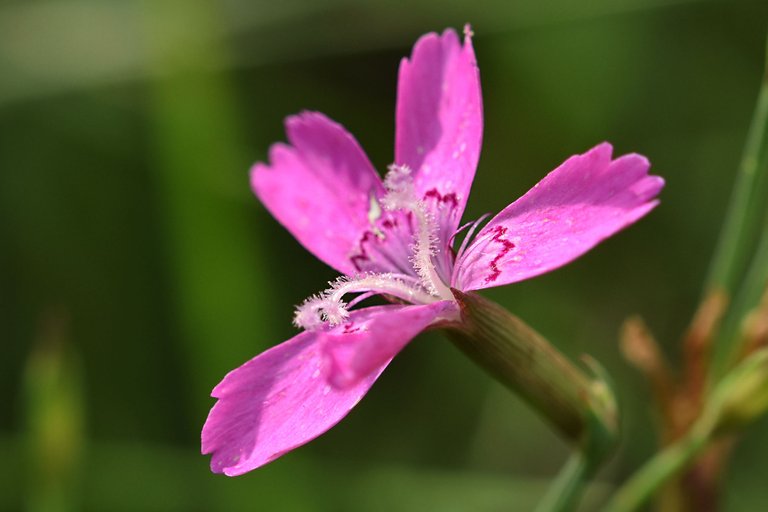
{"points": [[747, 206], [202, 173], [565, 492], [660, 469], [54, 416], [731, 270]]}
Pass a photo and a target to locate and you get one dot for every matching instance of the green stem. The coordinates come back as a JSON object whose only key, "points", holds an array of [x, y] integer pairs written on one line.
{"points": [[565, 492], [748, 201], [660, 469]]}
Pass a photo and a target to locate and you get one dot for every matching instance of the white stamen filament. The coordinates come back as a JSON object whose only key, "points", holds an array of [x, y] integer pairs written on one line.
{"points": [[468, 238], [402, 196], [328, 306]]}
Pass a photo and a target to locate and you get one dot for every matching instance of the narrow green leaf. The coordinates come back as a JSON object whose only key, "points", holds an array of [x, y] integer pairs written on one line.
{"points": [[202, 176]]}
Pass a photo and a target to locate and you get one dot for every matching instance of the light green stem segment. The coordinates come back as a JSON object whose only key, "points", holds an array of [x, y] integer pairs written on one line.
{"points": [[578, 405], [659, 470], [748, 298], [565, 492], [747, 206]]}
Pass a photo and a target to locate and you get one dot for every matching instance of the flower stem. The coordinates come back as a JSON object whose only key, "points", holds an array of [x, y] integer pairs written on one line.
{"points": [[747, 204]]}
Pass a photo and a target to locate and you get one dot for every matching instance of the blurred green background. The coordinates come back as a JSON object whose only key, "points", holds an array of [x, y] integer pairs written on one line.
{"points": [[136, 267]]}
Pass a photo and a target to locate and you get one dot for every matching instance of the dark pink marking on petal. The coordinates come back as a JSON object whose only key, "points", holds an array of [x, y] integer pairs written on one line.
{"points": [[385, 248], [350, 328], [361, 255], [448, 199], [585, 200], [445, 209], [506, 246]]}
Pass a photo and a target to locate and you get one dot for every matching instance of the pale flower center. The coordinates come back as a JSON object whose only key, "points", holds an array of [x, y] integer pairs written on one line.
{"points": [[328, 307]]}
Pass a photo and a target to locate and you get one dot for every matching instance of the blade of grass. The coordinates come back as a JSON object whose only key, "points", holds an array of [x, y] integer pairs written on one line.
{"points": [[202, 177], [748, 202], [746, 218], [55, 417]]}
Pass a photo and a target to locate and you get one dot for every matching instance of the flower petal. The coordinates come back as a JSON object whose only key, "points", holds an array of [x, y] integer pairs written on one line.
{"points": [[282, 398], [439, 123], [585, 200], [376, 341], [275, 402], [319, 187]]}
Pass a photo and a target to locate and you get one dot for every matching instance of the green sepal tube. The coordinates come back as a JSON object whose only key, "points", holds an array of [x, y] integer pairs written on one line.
{"points": [[579, 406]]}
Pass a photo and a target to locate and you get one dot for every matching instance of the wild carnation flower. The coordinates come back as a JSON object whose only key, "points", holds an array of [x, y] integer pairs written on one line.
{"points": [[395, 238]]}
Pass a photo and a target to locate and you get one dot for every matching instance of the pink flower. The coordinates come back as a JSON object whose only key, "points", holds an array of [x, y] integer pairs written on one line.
{"points": [[395, 238]]}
